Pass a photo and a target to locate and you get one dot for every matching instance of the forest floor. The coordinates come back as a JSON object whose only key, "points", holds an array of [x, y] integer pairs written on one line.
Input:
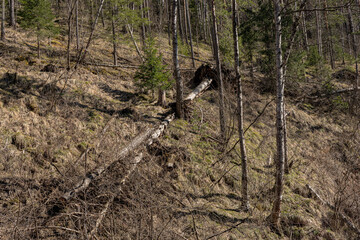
{"points": [[185, 186]]}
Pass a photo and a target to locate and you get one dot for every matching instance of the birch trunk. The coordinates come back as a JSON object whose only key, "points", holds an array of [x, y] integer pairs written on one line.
{"points": [[244, 175], [275, 213], [179, 82], [219, 74]]}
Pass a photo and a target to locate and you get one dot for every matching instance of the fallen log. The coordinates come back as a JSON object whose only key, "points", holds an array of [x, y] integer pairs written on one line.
{"points": [[343, 217], [126, 66], [147, 137]]}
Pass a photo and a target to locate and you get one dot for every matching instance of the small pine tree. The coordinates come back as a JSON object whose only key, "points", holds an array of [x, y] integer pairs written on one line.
{"points": [[152, 74], [37, 16]]}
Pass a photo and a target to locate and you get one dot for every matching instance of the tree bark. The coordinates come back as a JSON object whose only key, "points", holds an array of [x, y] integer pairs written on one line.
{"points": [[3, 21], [275, 213], [179, 82], [12, 14], [244, 172], [219, 74]]}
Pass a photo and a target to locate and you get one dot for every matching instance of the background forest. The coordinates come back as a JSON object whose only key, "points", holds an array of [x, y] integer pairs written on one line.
{"points": [[180, 119]]}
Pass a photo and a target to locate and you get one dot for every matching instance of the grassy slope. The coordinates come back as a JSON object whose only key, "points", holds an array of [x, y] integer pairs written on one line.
{"points": [[177, 191]]}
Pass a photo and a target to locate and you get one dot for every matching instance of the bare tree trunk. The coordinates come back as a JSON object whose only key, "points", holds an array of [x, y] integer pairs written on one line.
{"points": [[219, 74], [184, 20], [318, 31], [275, 213], [306, 41], [329, 33], [69, 34], [3, 21], [169, 21], [114, 35], [143, 30], [354, 47], [181, 29], [12, 14], [189, 27], [77, 26], [244, 175], [179, 82]]}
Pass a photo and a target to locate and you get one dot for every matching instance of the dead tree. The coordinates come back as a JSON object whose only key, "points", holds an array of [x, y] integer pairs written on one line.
{"points": [[275, 213], [244, 175]]}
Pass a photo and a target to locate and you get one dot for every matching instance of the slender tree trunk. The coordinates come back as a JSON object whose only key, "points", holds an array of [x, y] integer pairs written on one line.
{"points": [[179, 83], [354, 47], [329, 33], [306, 41], [244, 175], [189, 27], [219, 74], [69, 35], [181, 29], [114, 35], [286, 160], [77, 26], [12, 14], [3, 21], [148, 15], [275, 213], [184, 20], [143, 30], [169, 21], [318, 31]]}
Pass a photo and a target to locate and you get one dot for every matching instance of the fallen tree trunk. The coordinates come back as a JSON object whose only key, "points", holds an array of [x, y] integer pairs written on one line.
{"points": [[343, 217], [126, 66], [147, 137]]}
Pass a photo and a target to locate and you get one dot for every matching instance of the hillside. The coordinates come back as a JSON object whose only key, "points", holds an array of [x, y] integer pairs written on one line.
{"points": [[57, 126]]}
